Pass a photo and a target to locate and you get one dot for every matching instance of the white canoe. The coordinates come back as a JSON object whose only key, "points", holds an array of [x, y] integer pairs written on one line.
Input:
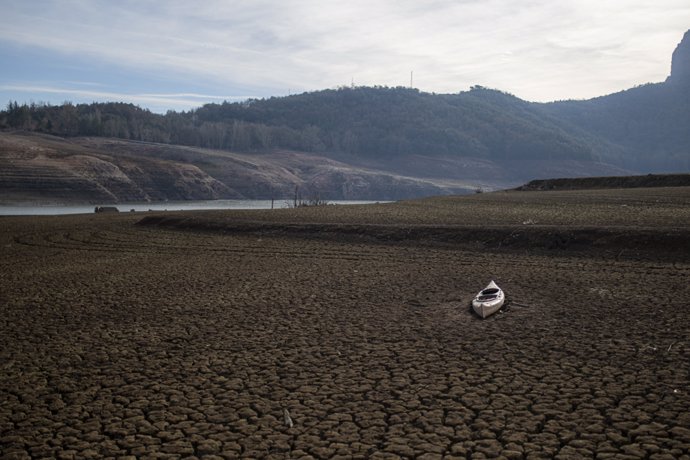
{"points": [[489, 300]]}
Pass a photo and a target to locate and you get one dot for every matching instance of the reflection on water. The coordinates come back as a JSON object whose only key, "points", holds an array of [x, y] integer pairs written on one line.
{"points": [[33, 210]]}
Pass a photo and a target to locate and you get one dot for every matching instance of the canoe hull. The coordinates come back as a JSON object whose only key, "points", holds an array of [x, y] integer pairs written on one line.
{"points": [[488, 301]]}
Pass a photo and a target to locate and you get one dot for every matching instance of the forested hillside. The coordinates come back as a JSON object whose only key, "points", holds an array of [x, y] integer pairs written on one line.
{"points": [[475, 139], [644, 128], [367, 122]]}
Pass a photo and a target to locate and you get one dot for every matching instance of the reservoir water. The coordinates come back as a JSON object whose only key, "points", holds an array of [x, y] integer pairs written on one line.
{"points": [[54, 210]]}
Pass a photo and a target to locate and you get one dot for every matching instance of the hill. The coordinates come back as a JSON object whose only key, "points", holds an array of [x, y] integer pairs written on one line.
{"points": [[367, 123], [396, 142]]}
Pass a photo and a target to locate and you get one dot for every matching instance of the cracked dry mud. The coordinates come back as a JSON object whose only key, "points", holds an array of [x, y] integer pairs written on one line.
{"points": [[124, 341]]}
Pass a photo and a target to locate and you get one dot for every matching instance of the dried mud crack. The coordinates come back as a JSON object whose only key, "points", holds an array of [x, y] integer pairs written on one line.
{"points": [[120, 340]]}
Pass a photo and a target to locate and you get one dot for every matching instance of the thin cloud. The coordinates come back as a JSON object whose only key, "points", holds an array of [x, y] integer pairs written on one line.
{"points": [[538, 49], [178, 100]]}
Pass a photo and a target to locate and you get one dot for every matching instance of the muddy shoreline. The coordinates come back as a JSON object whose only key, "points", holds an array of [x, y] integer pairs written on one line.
{"points": [[122, 340]]}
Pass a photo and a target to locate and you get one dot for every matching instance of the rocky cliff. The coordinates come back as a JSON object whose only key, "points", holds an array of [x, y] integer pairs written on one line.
{"points": [[680, 63]]}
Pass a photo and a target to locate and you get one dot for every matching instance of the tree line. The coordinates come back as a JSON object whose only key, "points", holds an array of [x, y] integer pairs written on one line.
{"points": [[362, 121], [128, 121]]}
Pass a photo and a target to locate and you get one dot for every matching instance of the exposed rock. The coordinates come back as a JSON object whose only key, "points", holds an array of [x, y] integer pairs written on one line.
{"points": [[680, 64]]}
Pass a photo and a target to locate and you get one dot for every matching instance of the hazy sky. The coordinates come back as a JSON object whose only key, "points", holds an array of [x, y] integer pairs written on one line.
{"points": [[179, 54]]}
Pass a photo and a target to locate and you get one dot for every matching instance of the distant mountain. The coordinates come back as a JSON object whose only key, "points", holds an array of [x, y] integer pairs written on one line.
{"points": [[649, 126], [442, 143]]}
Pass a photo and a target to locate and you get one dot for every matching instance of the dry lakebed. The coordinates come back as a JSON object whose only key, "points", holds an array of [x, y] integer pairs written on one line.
{"points": [[345, 331]]}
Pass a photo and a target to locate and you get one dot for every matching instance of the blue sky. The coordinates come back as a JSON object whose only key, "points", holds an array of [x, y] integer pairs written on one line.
{"points": [[179, 54]]}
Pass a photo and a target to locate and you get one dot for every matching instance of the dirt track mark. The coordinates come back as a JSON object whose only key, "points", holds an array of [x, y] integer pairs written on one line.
{"points": [[144, 241]]}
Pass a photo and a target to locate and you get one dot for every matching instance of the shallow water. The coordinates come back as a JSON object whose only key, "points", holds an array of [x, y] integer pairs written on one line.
{"points": [[53, 210]]}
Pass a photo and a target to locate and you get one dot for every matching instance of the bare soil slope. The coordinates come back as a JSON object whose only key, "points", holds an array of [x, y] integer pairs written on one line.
{"points": [[48, 169]]}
